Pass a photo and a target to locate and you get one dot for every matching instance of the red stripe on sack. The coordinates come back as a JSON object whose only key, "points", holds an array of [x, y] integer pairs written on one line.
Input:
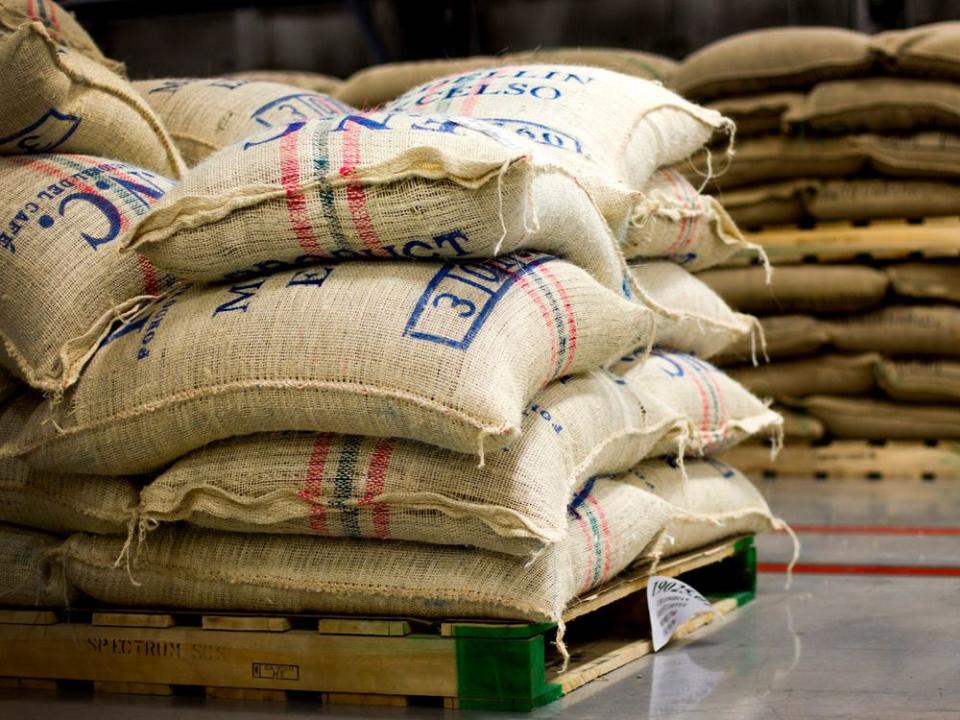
{"points": [[605, 531], [32, 10], [588, 536], [356, 195], [376, 478], [313, 484], [296, 197], [545, 313], [151, 285], [874, 530], [52, 12], [568, 311], [683, 237], [836, 569]]}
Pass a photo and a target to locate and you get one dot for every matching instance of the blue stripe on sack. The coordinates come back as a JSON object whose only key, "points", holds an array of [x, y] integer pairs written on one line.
{"points": [[559, 321], [343, 485], [321, 167], [580, 498]]}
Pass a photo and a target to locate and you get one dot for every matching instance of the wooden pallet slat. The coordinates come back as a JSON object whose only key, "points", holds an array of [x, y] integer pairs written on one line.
{"points": [[852, 459], [900, 239], [467, 664]]}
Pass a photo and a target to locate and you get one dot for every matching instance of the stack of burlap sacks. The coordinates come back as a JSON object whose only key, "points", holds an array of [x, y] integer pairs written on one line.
{"points": [[833, 125], [382, 363]]}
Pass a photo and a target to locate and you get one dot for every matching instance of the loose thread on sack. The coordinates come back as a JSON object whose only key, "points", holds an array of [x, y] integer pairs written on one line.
{"points": [[561, 646], [503, 222], [764, 261], [776, 442], [135, 528], [756, 331], [480, 451], [782, 525]]}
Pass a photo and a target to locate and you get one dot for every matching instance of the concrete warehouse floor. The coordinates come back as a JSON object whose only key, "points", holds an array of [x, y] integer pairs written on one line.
{"points": [[869, 629]]}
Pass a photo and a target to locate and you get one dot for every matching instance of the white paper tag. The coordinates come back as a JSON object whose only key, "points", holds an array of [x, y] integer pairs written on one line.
{"points": [[671, 603]]}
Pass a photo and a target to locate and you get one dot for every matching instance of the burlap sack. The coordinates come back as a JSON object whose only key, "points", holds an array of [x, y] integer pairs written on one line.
{"points": [[691, 317], [877, 420], [588, 120], [785, 335], [758, 114], [373, 186], [930, 381], [63, 281], [780, 157], [799, 426], [772, 59], [773, 204], [934, 154], [871, 199], [722, 412], [448, 354], [674, 221], [205, 115], [350, 486], [821, 375], [937, 280], [924, 50], [314, 82], [59, 502], [629, 62], [611, 522], [26, 576], [900, 330], [60, 24], [880, 104], [799, 288], [375, 85], [68, 103]]}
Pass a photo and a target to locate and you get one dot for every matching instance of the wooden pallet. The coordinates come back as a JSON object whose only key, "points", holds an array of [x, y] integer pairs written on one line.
{"points": [[468, 664], [937, 237], [852, 459]]}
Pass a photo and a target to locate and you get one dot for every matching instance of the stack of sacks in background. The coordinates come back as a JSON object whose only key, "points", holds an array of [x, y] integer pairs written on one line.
{"points": [[861, 352], [834, 125], [406, 356], [82, 159]]}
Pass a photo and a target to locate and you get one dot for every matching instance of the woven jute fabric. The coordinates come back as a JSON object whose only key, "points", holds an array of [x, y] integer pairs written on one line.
{"points": [[900, 330], [758, 114], [880, 420], [721, 412], [779, 203], [26, 576], [799, 288], [449, 354], [929, 381], [785, 335], [773, 59], [205, 115], [880, 104], [592, 121], [314, 82], [60, 24], [375, 85], [692, 317], [610, 523], [68, 103], [925, 50], [629, 62], [936, 280], [375, 186], [674, 221], [828, 374], [64, 282], [350, 486], [60, 502]]}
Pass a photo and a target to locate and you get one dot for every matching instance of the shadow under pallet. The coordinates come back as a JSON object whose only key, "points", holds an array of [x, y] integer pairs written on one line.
{"points": [[466, 664]]}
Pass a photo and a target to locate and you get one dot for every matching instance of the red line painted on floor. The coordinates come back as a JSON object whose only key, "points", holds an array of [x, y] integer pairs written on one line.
{"points": [[831, 569], [873, 530]]}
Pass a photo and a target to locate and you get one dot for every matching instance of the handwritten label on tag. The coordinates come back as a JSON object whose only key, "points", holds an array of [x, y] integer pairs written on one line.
{"points": [[672, 602]]}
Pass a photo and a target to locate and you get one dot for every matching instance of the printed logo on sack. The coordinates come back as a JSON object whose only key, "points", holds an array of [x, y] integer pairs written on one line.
{"points": [[48, 132], [301, 106]]}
